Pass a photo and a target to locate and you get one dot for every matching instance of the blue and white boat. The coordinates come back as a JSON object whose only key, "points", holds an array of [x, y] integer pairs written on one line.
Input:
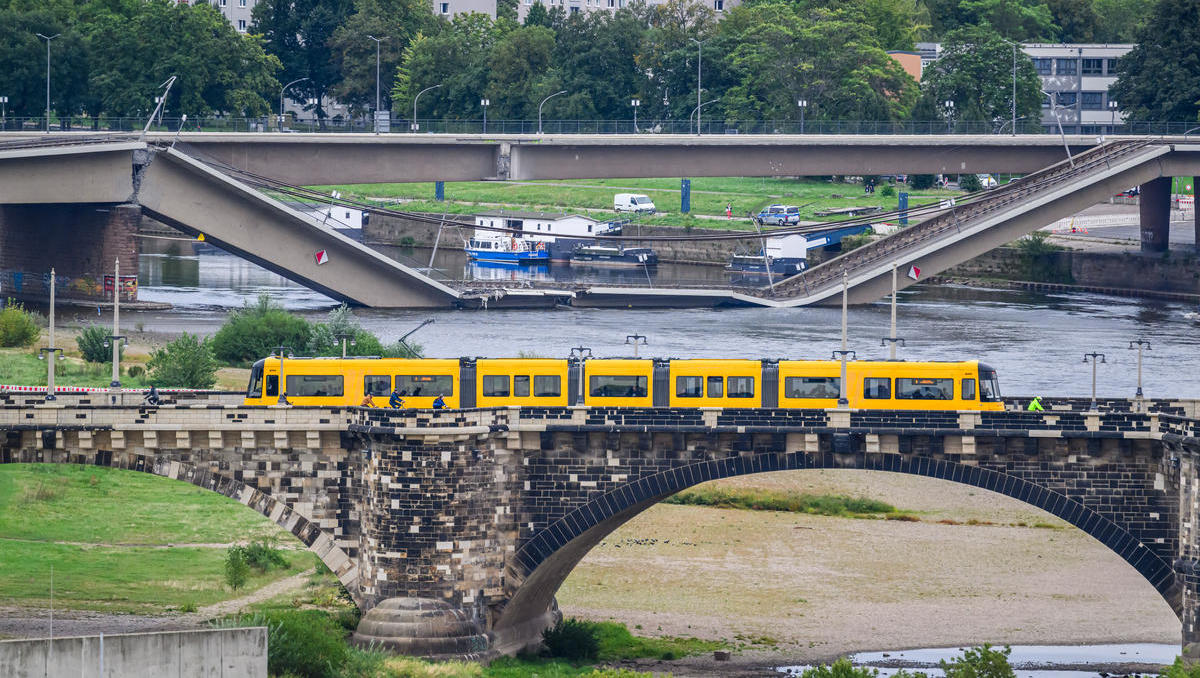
{"points": [[533, 237], [501, 248]]}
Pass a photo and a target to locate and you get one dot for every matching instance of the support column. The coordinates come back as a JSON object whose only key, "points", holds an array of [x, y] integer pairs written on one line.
{"points": [[1195, 221], [1155, 210], [1187, 562]]}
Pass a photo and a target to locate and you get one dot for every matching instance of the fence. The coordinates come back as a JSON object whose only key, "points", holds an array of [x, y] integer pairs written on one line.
{"points": [[449, 126]]}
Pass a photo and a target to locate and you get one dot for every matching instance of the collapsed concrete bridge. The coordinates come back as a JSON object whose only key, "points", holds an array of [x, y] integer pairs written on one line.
{"points": [[454, 529]]}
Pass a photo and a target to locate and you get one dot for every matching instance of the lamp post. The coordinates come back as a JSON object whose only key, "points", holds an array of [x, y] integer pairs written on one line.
{"points": [[1054, 111], [636, 340], [1141, 345], [949, 107], [635, 102], [485, 103], [803, 105], [1014, 85], [1095, 358], [695, 111], [343, 337], [844, 354], [543, 104], [893, 339], [48, 38], [116, 340], [699, 86], [280, 352], [281, 91], [1112, 125], [51, 350], [377, 41], [414, 126], [3, 113]]}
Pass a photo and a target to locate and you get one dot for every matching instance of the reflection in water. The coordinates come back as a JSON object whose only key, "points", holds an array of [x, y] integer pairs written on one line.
{"points": [[1035, 340]]}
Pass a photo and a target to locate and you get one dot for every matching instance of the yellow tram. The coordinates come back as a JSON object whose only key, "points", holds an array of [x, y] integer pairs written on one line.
{"points": [[622, 382]]}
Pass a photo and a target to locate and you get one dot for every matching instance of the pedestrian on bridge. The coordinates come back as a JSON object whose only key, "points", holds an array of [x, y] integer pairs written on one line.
{"points": [[439, 403], [729, 211], [1035, 405], [396, 401]]}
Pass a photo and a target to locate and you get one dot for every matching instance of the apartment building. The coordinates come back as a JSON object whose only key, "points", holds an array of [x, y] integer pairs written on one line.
{"points": [[1077, 78], [449, 8], [236, 11]]}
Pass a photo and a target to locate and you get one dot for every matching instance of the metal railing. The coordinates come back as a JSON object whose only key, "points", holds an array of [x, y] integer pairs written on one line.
{"points": [[85, 124], [967, 209]]}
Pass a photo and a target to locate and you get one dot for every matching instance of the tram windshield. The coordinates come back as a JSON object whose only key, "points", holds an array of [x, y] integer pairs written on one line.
{"points": [[254, 389], [989, 385]]}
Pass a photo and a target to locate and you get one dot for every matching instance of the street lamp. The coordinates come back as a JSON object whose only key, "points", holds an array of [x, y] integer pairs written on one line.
{"points": [[485, 103], [844, 354], [635, 103], [803, 104], [414, 126], [116, 340], [694, 113], [343, 337], [949, 107], [699, 87], [377, 41], [1095, 358], [636, 340], [1112, 125], [51, 349], [48, 39], [281, 91], [3, 113], [1054, 111], [1014, 85], [1141, 345], [543, 104], [280, 352]]}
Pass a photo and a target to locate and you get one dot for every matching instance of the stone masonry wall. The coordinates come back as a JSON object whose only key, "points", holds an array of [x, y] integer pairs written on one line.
{"points": [[81, 242], [1176, 271]]}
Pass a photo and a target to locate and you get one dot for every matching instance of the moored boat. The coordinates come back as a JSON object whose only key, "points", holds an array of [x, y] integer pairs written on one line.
{"points": [[611, 255]]}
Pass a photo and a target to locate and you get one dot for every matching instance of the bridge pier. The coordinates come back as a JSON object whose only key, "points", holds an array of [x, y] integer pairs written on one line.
{"points": [[1195, 221], [1154, 207], [80, 242]]}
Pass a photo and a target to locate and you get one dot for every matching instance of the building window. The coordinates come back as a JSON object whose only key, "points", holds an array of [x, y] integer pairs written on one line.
{"points": [[1043, 66], [1046, 101], [224, 2], [242, 25], [1093, 101], [574, 9], [1066, 66], [444, 7], [1093, 66], [719, 5], [1067, 99], [612, 3], [1112, 66], [241, 3]]}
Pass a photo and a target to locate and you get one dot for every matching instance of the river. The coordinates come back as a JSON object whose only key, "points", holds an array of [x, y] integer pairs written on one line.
{"points": [[1035, 340]]}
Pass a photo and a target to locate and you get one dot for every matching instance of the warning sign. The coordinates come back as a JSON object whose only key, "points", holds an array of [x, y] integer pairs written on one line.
{"points": [[914, 272], [322, 257]]}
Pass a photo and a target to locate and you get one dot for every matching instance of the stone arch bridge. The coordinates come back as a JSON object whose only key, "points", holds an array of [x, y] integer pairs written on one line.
{"points": [[453, 530]]}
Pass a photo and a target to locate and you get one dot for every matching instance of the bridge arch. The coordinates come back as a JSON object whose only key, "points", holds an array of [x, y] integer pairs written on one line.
{"points": [[309, 533], [542, 564]]}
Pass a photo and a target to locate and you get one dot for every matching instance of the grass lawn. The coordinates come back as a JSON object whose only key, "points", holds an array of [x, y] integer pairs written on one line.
{"points": [[102, 511], [22, 367], [709, 196]]}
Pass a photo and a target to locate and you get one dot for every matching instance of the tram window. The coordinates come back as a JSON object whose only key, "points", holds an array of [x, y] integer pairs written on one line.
{"points": [[968, 389], [495, 385], [377, 385], [812, 387], [924, 388], [618, 386], [877, 388], [547, 386], [989, 386], [689, 387], [314, 385], [716, 387], [429, 385], [254, 390], [521, 385], [741, 387], [272, 384]]}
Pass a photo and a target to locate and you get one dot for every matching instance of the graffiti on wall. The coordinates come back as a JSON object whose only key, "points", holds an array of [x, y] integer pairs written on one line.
{"points": [[25, 283]]}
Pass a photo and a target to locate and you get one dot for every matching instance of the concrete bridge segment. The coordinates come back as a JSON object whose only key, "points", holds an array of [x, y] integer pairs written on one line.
{"points": [[454, 530]]}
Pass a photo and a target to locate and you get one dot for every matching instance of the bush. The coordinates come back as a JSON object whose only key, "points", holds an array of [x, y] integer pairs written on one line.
{"points": [[262, 556], [18, 327], [888, 191], [922, 182], [980, 662], [842, 668], [91, 344], [303, 643], [186, 362], [252, 332], [969, 183], [237, 570], [1182, 669], [573, 640]]}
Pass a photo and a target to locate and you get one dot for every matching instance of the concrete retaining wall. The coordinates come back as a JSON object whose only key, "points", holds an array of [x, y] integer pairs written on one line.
{"points": [[1177, 271], [217, 653]]}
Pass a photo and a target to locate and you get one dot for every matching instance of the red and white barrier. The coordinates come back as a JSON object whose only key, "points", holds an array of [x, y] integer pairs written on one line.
{"points": [[97, 389]]}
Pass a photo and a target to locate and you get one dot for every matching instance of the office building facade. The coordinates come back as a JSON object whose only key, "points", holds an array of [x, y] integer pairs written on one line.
{"points": [[1077, 78]]}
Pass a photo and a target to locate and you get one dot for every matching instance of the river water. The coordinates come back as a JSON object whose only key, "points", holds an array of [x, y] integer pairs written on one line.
{"points": [[1029, 661], [1035, 340]]}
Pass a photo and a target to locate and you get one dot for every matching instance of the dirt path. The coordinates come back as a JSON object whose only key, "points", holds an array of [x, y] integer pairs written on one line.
{"points": [[279, 587]]}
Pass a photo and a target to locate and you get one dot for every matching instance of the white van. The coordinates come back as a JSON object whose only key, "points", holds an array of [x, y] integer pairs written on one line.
{"points": [[633, 202]]}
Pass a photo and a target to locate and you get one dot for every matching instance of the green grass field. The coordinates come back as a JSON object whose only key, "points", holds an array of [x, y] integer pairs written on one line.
{"points": [[709, 196], [117, 524], [22, 367]]}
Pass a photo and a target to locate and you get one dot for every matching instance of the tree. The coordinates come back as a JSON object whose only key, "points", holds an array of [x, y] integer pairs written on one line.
{"points": [[1013, 19], [1159, 79], [537, 15], [186, 362], [23, 78], [1119, 20], [897, 23], [253, 332], [975, 72], [237, 570], [519, 60], [298, 33], [667, 59], [1077, 20], [399, 21], [455, 57], [830, 57]]}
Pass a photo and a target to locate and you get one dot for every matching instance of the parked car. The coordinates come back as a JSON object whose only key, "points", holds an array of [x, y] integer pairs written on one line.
{"points": [[987, 181], [633, 202], [778, 215]]}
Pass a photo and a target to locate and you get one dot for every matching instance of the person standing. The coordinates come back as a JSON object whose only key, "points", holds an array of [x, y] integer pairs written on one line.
{"points": [[729, 211]]}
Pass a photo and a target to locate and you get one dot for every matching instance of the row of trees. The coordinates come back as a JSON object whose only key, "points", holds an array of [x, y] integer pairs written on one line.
{"points": [[110, 56]]}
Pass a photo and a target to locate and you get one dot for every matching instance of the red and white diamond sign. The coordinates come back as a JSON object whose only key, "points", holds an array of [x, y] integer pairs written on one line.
{"points": [[914, 272], [322, 257]]}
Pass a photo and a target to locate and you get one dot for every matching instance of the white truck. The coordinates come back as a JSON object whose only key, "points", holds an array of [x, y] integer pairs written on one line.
{"points": [[633, 202]]}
